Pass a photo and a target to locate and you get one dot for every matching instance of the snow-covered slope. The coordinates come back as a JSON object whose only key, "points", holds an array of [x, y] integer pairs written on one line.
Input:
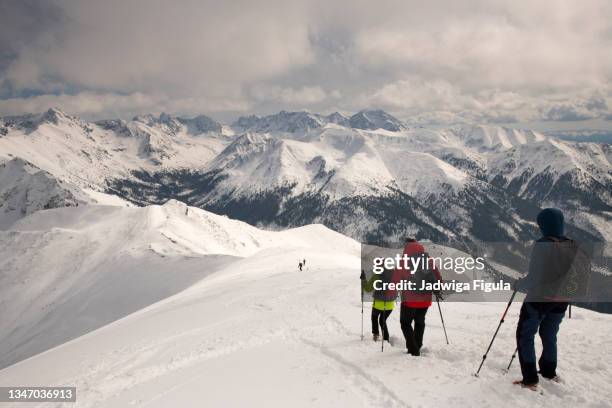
{"points": [[552, 159], [258, 332], [495, 138], [67, 271]]}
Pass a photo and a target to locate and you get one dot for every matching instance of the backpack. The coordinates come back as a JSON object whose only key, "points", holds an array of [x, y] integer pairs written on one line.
{"points": [[567, 272], [384, 295], [423, 273]]}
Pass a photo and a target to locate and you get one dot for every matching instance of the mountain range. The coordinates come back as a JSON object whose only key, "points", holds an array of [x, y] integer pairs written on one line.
{"points": [[368, 175]]}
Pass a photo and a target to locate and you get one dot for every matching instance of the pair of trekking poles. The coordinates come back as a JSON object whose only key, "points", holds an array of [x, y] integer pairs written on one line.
{"points": [[484, 357], [382, 345]]}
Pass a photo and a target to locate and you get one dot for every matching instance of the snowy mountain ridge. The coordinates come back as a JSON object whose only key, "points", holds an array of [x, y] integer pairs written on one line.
{"points": [[300, 122], [354, 174], [95, 264]]}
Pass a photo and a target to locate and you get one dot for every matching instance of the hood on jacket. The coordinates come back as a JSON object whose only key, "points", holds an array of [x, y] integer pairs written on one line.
{"points": [[550, 221], [414, 248]]}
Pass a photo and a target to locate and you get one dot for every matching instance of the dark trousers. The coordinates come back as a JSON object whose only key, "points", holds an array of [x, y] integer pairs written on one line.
{"points": [[379, 317], [413, 336], [545, 318]]}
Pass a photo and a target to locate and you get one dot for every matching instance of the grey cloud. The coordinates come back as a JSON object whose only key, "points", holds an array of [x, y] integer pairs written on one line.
{"points": [[483, 60], [576, 110], [566, 113]]}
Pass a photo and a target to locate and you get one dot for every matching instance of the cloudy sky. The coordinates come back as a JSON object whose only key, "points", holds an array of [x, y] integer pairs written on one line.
{"points": [[545, 62]]}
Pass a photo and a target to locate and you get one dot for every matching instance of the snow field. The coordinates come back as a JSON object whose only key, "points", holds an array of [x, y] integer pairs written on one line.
{"points": [[258, 332]]}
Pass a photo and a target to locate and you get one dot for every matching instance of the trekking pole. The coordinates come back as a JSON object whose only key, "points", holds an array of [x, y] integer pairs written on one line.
{"points": [[441, 317], [382, 330], [511, 360], [362, 278], [484, 357], [362, 314]]}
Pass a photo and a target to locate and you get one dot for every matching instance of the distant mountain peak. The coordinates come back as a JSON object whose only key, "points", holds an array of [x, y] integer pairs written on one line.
{"points": [[372, 119], [53, 115], [303, 121], [30, 121], [338, 119], [201, 124], [151, 119], [25, 189], [283, 121], [196, 125]]}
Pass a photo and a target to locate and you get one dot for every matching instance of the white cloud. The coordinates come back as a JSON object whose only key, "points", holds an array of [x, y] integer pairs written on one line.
{"points": [[438, 101], [97, 105], [305, 95]]}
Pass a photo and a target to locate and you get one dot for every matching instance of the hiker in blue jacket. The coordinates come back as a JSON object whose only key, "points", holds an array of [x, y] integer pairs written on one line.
{"points": [[544, 308]]}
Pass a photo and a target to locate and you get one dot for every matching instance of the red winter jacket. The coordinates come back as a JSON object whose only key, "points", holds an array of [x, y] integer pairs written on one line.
{"points": [[411, 298]]}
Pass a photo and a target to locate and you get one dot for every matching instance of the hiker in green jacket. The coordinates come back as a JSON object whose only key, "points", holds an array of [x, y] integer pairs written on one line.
{"points": [[383, 303]]}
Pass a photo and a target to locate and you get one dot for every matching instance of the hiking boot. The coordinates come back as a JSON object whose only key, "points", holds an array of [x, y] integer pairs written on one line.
{"points": [[556, 379], [531, 387], [375, 337]]}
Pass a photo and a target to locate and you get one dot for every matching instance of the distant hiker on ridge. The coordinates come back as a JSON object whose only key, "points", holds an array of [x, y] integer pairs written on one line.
{"points": [[546, 302], [300, 266], [384, 300], [415, 303]]}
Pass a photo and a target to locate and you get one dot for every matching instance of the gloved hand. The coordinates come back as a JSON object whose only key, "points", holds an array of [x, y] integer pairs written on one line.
{"points": [[363, 275], [438, 294], [518, 284]]}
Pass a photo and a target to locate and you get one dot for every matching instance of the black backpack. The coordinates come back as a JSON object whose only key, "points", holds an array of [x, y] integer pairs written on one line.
{"points": [[385, 277], [567, 271], [423, 273]]}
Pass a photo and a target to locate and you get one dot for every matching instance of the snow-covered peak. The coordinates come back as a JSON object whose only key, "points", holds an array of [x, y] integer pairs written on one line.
{"points": [[289, 122], [246, 122], [239, 151], [30, 121], [338, 119], [495, 138], [375, 119], [164, 121], [25, 189], [174, 124], [201, 124], [302, 122], [54, 116]]}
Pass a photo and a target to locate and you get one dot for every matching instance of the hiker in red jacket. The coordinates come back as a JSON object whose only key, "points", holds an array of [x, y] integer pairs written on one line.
{"points": [[414, 303]]}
